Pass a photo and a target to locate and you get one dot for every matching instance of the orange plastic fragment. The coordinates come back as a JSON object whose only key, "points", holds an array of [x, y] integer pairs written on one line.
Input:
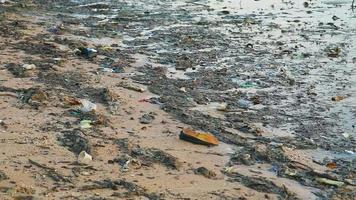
{"points": [[198, 137], [331, 165]]}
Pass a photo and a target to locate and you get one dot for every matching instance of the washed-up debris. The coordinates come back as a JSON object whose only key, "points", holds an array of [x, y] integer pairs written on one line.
{"points": [[333, 52], [131, 86], [132, 189], [205, 172], [338, 98], [110, 96], [71, 101], [126, 162], [148, 156], [261, 184], [331, 165], [58, 29], [112, 66], [147, 118], [87, 106], [198, 137], [34, 96], [330, 182], [74, 141], [29, 66], [86, 52], [84, 158], [85, 124], [230, 170], [351, 182], [19, 71], [50, 172], [95, 117], [350, 152]]}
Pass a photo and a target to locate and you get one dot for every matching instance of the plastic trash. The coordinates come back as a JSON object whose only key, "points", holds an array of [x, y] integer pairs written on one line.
{"points": [[86, 52], [329, 182], [198, 137], [84, 124], [29, 66], [87, 106], [84, 158]]}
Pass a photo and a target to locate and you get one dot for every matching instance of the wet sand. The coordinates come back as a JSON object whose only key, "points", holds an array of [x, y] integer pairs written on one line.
{"points": [[274, 69]]}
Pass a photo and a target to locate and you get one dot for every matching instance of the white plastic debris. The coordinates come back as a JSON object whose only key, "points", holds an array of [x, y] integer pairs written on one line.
{"points": [[346, 135], [85, 124], [2, 1], [84, 158], [87, 106], [29, 66], [350, 152]]}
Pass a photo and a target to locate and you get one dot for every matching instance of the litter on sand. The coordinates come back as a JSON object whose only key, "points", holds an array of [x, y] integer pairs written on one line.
{"points": [[198, 137]]}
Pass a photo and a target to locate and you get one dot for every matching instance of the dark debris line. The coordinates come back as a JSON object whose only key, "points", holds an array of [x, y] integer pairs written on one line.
{"points": [[225, 50]]}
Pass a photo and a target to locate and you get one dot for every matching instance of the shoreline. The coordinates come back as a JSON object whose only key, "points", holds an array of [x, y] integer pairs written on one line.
{"points": [[42, 131]]}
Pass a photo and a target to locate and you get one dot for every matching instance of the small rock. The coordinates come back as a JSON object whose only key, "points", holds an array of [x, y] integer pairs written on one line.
{"points": [[146, 118]]}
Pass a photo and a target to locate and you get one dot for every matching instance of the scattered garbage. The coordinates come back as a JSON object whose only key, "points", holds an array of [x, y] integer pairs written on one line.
{"points": [[72, 101], [29, 66], [183, 89], [86, 52], [198, 137], [126, 162], [87, 106], [85, 124], [350, 152], [249, 69], [330, 182], [331, 165], [84, 158], [131, 86], [147, 156]]}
